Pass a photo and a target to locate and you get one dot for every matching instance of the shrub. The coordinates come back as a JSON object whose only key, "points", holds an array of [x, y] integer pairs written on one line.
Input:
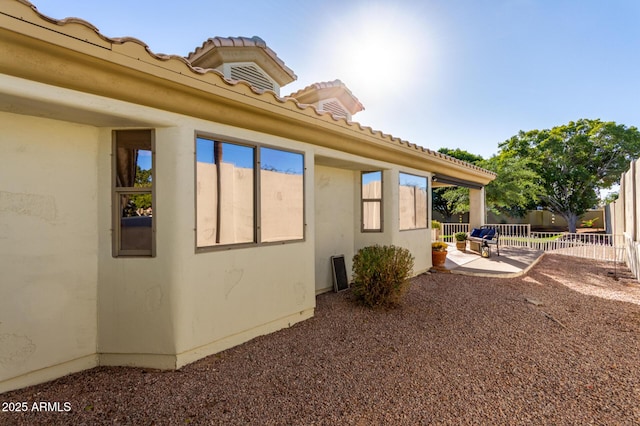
{"points": [[435, 224], [381, 275], [460, 236]]}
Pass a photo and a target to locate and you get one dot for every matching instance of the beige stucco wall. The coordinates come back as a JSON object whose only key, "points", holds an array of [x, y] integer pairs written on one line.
{"points": [[48, 246], [335, 221], [67, 304], [338, 215], [336, 237], [625, 211], [417, 241], [548, 220], [225, 297], [182, 304], [70, 304], [629, 189]]}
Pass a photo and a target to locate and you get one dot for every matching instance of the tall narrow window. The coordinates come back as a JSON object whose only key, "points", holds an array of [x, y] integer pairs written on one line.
{"points": [[371, 201], [412, 202], [281, 195], [133, 177], [225, 175]]}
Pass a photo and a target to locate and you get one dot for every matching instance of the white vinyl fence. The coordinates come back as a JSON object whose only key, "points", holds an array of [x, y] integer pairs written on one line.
{"points": [[605, 247], [449, 229]]}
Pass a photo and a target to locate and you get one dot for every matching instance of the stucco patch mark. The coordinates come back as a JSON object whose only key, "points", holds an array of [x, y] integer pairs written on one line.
{"points": [[15, 348], [34, 205], [232, 278], [300, 292], [153, 298], [324, 181]]}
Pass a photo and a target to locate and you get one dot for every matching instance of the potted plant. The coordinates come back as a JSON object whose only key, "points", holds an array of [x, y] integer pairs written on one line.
{"points": [[461, 240], [439, 254], [435, 230]]}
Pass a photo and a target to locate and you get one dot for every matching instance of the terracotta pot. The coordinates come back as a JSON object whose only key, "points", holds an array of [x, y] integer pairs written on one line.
{"points": [[438, 258], [461, 245]]}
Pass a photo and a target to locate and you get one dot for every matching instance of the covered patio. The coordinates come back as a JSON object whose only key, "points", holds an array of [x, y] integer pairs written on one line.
{"points": [[477, 204]]}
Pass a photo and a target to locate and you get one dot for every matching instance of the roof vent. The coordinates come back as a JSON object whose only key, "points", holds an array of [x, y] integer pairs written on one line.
{"points": [[330, 96], [334, 107], [253, 75], [243, 58]]}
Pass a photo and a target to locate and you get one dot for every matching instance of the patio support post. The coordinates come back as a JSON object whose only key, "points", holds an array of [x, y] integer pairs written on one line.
{"points": [[476, 208]]}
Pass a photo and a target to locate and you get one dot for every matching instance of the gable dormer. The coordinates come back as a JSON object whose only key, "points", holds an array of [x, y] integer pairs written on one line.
{"points": [[332, 96], [246, 59]]}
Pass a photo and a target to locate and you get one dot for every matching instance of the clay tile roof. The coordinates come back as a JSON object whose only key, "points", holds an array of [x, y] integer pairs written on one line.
{"points": [[331, 88], [254, 41], [173, 62]]}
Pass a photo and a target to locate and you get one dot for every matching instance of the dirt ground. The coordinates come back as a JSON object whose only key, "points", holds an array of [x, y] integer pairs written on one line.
{"points": [[559, 345]]}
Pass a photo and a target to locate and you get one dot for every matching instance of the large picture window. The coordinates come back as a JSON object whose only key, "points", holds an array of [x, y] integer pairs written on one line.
{"points": [[133, 190], [371, 196], [238, 206], [281, 195], [412, 201], [225, 193]]}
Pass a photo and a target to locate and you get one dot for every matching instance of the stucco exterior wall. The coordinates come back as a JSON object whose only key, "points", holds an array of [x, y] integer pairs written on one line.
{"points": [[623, 215], [415, 240], [136, 294], [335, 220], [48, 247], [629, 189], [183, 304], [66, 303], [226, 297]]}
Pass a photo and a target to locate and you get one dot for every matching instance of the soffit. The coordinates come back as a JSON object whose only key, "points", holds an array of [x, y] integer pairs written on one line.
{"points": [[38, 108]]}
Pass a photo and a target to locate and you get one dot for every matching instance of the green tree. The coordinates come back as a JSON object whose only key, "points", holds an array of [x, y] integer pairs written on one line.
{"points": [[610, 198], [574, 161], [142, 180], [439, 203], [461, 154], [516, 188]]}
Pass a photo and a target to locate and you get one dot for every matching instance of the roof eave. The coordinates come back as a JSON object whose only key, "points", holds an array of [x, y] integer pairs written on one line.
{"points": [[126, 70]]}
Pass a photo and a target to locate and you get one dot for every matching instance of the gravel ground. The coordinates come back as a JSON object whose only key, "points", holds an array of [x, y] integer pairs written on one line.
{"points": [[557, 346]]}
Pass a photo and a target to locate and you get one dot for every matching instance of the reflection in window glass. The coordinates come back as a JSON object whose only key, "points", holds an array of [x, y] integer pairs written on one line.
{"points": [[133, 179], [225, 193], [133, 159], [136, 224], [412, 201], [281, 195], [372, 201]]}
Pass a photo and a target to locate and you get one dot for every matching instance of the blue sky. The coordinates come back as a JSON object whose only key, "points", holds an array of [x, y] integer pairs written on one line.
{"points": [[463, 74]]}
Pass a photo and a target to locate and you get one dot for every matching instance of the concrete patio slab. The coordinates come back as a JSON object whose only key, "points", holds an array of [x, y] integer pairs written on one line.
{"points": [[513, 261]]}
